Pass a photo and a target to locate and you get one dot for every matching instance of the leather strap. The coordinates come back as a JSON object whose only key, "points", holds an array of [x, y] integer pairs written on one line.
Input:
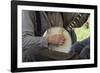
{"points": [[38, 25]]}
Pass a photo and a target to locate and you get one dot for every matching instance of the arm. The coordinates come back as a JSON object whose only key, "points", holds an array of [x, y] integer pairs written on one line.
{"points": [[29, 41]]}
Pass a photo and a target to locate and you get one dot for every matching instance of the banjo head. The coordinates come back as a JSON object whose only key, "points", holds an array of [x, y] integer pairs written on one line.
{"points": [[65, 48]]}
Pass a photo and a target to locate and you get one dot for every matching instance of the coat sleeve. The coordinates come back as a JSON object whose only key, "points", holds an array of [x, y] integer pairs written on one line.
{"points": [[29, 41]]}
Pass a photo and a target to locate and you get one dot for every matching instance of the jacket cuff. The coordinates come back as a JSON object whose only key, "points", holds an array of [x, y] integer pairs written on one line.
{"points": [[45, 42]]}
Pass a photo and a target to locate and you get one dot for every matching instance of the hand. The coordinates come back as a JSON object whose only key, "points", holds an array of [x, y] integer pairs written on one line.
{"points": [[57, 39]]}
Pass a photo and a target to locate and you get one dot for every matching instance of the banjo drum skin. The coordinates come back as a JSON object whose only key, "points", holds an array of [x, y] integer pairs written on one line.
{"points": [[65, 48]]}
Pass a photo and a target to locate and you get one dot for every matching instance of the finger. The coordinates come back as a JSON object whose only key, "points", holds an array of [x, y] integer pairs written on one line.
{"points": [[61, 42], [62, 37]]}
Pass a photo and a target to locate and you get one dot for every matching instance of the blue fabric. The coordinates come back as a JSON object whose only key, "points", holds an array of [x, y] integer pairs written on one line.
{"points": [[82, 48]]}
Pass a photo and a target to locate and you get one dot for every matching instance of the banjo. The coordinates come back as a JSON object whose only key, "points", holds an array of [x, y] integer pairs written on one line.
{"points": [[65, 48]]}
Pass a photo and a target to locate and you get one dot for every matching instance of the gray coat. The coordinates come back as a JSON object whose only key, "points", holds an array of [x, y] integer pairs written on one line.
{"points": [[28, 21], [29, 39]]}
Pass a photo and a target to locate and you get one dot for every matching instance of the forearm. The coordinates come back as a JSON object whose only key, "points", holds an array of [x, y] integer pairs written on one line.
{"points": [[34, 42]]}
